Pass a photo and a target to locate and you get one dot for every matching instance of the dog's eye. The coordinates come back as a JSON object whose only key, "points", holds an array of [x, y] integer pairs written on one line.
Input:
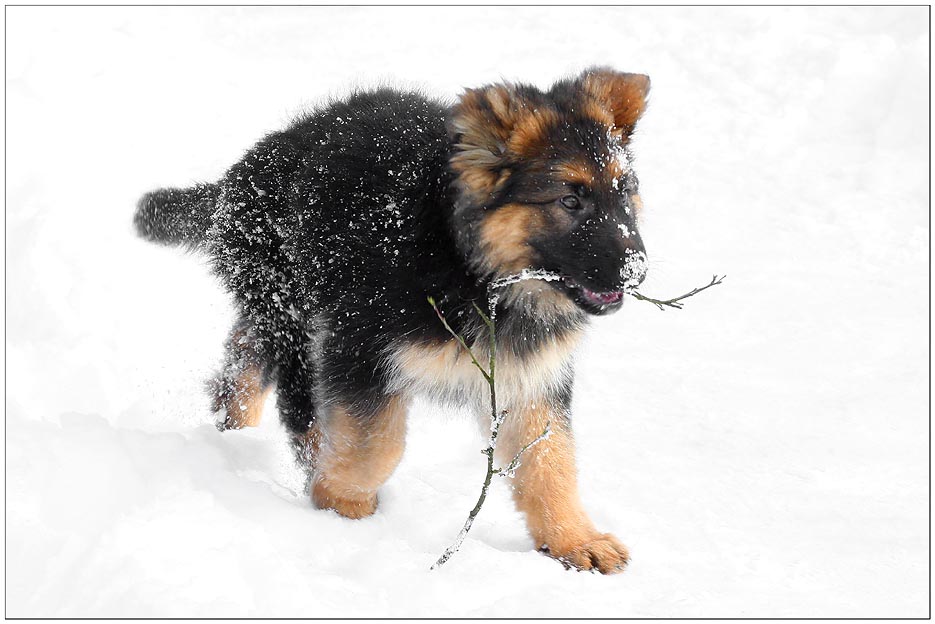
{"points": [[571, 202]]}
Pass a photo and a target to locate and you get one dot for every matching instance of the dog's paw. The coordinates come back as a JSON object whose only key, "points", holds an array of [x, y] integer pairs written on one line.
{"points": [[603, 553], [350, 507]]}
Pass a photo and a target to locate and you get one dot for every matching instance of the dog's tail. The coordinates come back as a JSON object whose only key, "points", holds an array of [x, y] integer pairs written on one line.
{"points": [[177, 216]]}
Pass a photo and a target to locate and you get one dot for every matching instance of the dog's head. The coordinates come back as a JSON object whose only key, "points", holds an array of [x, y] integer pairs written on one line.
{"points": [[545, 184]]}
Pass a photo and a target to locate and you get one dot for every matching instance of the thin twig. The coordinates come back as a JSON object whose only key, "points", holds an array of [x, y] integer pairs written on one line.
{"points": [[496, 419], [459, 338], [473, 513], [676, 302], [510, 469]]}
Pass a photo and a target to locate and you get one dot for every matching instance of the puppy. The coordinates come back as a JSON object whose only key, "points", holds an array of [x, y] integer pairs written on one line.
{"points": [[332, 234]]}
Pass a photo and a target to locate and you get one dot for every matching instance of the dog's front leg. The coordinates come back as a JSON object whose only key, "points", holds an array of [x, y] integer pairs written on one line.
{"points": [[545, 489]]}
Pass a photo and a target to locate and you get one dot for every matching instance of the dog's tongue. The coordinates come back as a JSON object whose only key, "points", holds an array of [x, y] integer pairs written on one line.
{"points": [[605, 298]]}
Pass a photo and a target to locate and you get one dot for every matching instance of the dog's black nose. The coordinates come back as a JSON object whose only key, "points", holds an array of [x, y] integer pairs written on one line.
{"points": [[634, 268]]}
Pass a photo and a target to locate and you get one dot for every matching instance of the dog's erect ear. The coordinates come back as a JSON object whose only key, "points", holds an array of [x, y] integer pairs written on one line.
{"points": [[484, 118], [489, 126], [621, 95]]}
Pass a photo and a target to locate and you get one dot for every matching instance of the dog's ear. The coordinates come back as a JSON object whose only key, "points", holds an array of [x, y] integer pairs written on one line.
{"points": [[483, 120], [488, 127], [622, 96]]}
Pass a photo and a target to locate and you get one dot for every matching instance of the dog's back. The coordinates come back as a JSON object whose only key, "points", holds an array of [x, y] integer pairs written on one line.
{"points": [[333, 222]]}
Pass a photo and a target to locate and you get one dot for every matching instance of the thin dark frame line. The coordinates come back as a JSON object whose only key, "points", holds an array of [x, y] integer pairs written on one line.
{"points": [[930, 313], [6, 263], [221, 5], [6, 297]]}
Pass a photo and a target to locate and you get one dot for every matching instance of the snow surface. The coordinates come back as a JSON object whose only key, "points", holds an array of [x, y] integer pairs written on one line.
{"points": [[763, 452]]}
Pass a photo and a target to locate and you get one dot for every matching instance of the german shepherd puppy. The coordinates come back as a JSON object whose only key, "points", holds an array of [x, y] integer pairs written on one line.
{"points": [[332, 234]]}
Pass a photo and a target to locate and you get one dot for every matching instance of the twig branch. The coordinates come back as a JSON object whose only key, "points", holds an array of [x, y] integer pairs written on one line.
{"points": [[507, 471], [676, 302], [459, 338], [473, 513], [510, 469], [496, 419]]}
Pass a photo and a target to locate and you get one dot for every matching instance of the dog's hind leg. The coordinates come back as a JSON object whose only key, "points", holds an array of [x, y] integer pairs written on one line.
{"points": [[295, 398], [354, 453], [241, 387]]}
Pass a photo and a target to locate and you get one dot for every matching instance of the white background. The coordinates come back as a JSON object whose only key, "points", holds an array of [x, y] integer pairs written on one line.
{"points": [[762, 452]]}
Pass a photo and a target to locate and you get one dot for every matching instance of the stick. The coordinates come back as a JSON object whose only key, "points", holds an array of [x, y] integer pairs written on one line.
{"points": [[496, 420], [676, 302], [459, 338]]}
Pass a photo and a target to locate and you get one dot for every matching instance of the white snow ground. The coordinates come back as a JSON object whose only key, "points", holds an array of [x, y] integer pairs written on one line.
{"points": [[762, 452]]}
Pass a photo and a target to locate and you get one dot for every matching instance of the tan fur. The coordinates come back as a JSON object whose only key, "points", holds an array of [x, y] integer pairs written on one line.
{"points": [[243, 407], [614, 169], [545, 489], [445, 370], [621, 95], [576, 172], [504, 236], [490, 122], [478, 180], [501, 100], [637, 202], [598, 112], [484, 119], [529, 131], [355, 456], [539, 296]]}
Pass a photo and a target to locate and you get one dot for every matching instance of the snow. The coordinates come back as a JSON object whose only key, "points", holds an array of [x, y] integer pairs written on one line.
{"points": [[524, 275], [763, 452]]}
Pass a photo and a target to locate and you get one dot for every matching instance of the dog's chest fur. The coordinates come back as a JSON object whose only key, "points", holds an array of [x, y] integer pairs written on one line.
{"points": [[444, 371]]}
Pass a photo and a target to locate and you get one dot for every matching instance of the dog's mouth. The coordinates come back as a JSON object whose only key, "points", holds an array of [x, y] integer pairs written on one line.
{"points": [[592, 301], [595, 302]]}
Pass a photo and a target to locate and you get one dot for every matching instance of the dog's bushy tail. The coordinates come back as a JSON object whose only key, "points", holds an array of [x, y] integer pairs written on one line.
{"points": [[177, 216]]}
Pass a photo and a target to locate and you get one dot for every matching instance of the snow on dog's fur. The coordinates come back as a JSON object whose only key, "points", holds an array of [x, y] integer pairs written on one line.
{"points": [[332, 233]]}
